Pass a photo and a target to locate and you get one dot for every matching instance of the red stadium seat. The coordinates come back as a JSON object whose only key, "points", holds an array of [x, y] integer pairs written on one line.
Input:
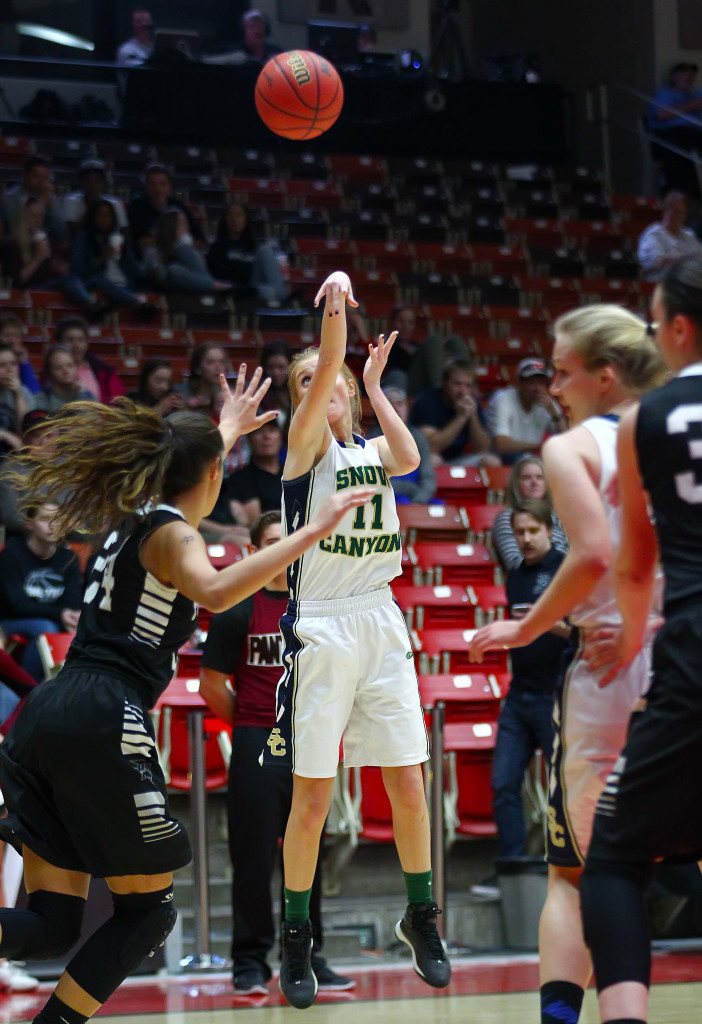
{"points": [[480, 520], [473, 697], [468, 791], [432, 522], [430, 607], [453, 563], [497, 480], [460, 485], [53, 648], [490, 601], [222, 555], [170, 719], [446, 650]]}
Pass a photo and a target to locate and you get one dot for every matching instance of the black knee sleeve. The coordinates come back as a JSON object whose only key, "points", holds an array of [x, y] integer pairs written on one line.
{"points": [[141, 922], [46, 929], [615, 922]]}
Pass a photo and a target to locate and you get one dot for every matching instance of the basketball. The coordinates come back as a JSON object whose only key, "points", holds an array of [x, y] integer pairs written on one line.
{"points": [[299, 94]]}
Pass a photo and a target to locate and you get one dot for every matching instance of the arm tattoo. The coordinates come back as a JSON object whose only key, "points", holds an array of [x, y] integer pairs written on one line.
{"points": [[188, 539]]}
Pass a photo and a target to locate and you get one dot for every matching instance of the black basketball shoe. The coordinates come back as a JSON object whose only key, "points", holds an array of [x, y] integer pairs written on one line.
{"points": [[417, 929], [297, 979]]}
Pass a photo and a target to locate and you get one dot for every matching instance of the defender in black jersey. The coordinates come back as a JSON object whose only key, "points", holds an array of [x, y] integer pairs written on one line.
{"points": [[650, 807], [79, 771]]}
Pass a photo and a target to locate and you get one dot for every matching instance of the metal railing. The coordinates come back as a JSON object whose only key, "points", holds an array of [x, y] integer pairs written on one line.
{"points": [[604, 110]]}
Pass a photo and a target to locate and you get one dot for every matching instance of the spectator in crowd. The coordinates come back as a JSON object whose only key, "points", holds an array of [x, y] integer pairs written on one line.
{"points": [[257, 44], [12, 333], [173, 264], [245, 644], [101, 261], [92, 180], [138, 49], [201, 387], [15, 400], [675, 116], [420, 485], [34, 259], [40, 585], [145, 209], [237, 257], [417, 364], [527, 482], [61, 381], [519, 418], [667, 240], [37, 184], [451, 419], [155, 387], [275, 363], [34, 432], [526, 718], [258, 487], [95, 376]]}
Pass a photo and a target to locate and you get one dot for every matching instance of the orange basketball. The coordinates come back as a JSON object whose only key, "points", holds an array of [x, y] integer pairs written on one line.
{"points": [[299, 94]]}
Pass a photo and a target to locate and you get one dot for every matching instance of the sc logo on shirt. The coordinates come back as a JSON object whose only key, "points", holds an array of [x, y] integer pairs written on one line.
{"points": [[276, 743]]}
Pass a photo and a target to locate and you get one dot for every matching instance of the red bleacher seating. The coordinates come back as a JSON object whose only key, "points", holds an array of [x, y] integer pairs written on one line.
{"points": [[429, 607], [472, 697], [468, 788], [432, 522], [490, 601], [446, 650], [460, 484], [445, 562]]}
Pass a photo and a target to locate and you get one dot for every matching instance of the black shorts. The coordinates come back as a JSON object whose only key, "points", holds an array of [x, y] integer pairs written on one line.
{"points": [[651, 805], [82, 781]]}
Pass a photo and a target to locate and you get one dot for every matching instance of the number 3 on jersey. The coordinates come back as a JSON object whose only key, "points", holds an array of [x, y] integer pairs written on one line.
{"points": [[359, 522], [678, 422], [105, 566]]}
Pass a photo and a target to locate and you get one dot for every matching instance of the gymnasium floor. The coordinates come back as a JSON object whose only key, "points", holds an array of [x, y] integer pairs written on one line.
{"points": [[483, 990]]}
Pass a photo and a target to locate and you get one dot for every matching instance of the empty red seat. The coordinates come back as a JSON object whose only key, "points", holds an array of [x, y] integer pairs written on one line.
{"points": [[445, 562], [432, 522], [459, 485], [446, 650], [427, 607]]}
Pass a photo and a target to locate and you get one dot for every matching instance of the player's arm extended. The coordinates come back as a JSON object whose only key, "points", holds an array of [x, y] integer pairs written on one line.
{"points": [[635, 566], [396, 447], [176, 554], [579, 507], [309, 435]]}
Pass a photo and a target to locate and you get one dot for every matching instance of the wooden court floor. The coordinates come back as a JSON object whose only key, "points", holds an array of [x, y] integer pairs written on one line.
{"points": [[488, 990]]}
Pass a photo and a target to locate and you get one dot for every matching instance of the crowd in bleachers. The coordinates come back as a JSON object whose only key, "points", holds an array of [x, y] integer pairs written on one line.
{"points": [[130, 269]]}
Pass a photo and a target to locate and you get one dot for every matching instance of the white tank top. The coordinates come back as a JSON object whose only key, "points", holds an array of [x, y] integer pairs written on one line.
{"points": [[365, 551], [600, 607]]}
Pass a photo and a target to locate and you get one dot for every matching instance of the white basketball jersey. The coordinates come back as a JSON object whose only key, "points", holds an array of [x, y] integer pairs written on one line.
{"points": [[600, 607], [364, 552]]}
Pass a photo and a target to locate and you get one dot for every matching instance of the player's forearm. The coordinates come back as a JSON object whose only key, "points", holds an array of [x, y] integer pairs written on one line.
{"points": [[577, 575], [397, 435], [238, 581], [332, 345], [634, 591]]}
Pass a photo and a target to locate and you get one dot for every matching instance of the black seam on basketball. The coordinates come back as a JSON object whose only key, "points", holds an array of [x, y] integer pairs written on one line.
{"points": [[296, 86], [282, 110]]}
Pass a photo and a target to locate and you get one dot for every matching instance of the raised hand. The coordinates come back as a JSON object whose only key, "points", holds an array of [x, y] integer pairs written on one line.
{"points": [[239, 413], [335, 291], [377, 359]]}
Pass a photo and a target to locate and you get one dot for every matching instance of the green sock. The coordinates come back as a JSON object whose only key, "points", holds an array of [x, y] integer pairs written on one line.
{"points": [[297, 905], [418, 885]]}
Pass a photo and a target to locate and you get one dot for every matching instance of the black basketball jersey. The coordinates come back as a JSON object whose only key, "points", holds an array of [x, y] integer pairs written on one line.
{"points": [[131, 625], [669, 449]]}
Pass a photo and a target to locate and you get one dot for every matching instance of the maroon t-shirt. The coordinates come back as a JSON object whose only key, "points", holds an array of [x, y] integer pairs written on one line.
{"points": [[245, 642]]}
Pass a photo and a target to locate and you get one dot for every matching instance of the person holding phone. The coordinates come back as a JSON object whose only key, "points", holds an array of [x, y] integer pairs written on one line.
{"points": [[526, 718]]}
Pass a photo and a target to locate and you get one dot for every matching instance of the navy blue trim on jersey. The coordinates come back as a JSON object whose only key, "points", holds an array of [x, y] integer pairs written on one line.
{"points": [[561, 844], [280, 746], [357, 439], [297, 494]]}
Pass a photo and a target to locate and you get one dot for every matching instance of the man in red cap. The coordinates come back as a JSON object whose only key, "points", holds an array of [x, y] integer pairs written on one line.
{"points": [[520, 417]]}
